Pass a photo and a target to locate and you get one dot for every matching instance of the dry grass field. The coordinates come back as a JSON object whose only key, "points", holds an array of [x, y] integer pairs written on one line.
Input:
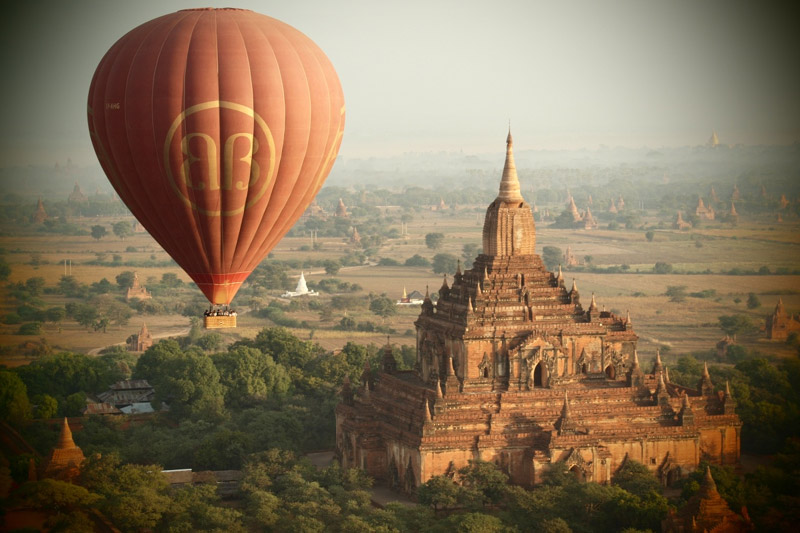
{"points": [[683, 327]]}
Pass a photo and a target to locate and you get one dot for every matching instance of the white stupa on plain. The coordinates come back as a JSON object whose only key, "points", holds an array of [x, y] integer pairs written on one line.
{"points": [[300, 290]]}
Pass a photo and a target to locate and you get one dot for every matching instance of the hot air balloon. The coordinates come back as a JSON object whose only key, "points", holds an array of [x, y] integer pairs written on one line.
{"points": [[216, 127]]}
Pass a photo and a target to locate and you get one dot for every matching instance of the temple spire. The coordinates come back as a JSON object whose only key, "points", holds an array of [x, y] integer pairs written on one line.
{"points": [[65, 439], [509, 185]]}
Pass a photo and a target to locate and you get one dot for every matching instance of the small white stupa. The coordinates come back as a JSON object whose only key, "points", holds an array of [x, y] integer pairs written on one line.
{"points": [[300, 290]]}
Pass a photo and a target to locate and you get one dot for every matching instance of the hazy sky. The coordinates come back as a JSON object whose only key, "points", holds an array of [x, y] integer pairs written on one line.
{"points": [[448, 75]]}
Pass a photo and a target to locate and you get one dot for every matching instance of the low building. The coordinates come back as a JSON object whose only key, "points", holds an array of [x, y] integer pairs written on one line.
{"points": [[137, 290], [704, 212], [128, 392], [707, 511], [139, 342], [680, 223], [40, 215], [77, 196], [300, 290], [780, 324], [412, 298]]}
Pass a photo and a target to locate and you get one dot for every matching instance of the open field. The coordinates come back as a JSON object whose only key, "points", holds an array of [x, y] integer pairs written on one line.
{"points": [[686, 326]]}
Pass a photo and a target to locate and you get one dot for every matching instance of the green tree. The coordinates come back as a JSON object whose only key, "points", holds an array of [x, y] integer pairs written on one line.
{"points": [[444, 263], [125, 279], [551, 256], [676, 293], [417, 260], [650, 235], [122, 229], [249, 375], [170, 280], [271, 276], [662, 268], [74, 404], [636, 478], [67, 505], [383, 306], [187, 381], [485, 480], [31, 328], [14, 404], [46, 406], [474, 523], [98, 232], [752, 301], [434, 241], [332, 267], [83, 314], [347, 323], [469, 252], [439, 492], [69, 286], [5, 270], [35, 285], [736, 324], [197, 508], [55, 314], [135, 497], [285, 348], [223, 450]]}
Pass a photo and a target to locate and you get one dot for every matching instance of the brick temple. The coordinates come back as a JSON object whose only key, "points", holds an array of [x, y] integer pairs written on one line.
{"points": [[511, 368]]}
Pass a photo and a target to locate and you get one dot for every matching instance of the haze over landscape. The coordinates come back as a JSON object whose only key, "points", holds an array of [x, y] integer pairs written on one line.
{"points": [[552, 282], [430, 76]]}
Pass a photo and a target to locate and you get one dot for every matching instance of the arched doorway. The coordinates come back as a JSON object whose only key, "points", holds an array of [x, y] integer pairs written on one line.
{"points": [[583, 368], [577, 472], [537, 375], [611, 372], [673, 476]]}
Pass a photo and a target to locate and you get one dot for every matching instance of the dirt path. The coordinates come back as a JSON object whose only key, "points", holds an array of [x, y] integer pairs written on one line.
{"points": [[168, 333]]}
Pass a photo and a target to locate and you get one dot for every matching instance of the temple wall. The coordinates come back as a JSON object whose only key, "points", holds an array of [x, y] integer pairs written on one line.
{"points": [[721, 444]]}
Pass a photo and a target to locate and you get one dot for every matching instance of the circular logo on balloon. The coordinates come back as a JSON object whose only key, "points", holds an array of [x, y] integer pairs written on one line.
{"points": [[219, 157]]}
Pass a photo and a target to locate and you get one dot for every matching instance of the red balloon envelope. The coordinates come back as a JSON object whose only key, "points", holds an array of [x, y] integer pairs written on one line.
{"points": [[216, 127]]}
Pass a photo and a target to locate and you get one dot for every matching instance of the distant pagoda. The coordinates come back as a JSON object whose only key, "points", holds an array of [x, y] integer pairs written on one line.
{"points": [[40, 215]]}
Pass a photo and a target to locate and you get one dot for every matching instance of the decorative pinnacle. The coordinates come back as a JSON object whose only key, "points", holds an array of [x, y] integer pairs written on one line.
{"points": [[560, 274], [509, 185], [427, 412], [709, 480], [438, 388], [727, 389], [705, 370], [65, 439], [574, 285], [458, 268], [666, 374], [661, 385], [635, 358]]}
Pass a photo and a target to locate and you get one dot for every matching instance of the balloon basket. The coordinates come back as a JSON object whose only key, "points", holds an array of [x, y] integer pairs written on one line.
{"points": [[219, 322]]}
